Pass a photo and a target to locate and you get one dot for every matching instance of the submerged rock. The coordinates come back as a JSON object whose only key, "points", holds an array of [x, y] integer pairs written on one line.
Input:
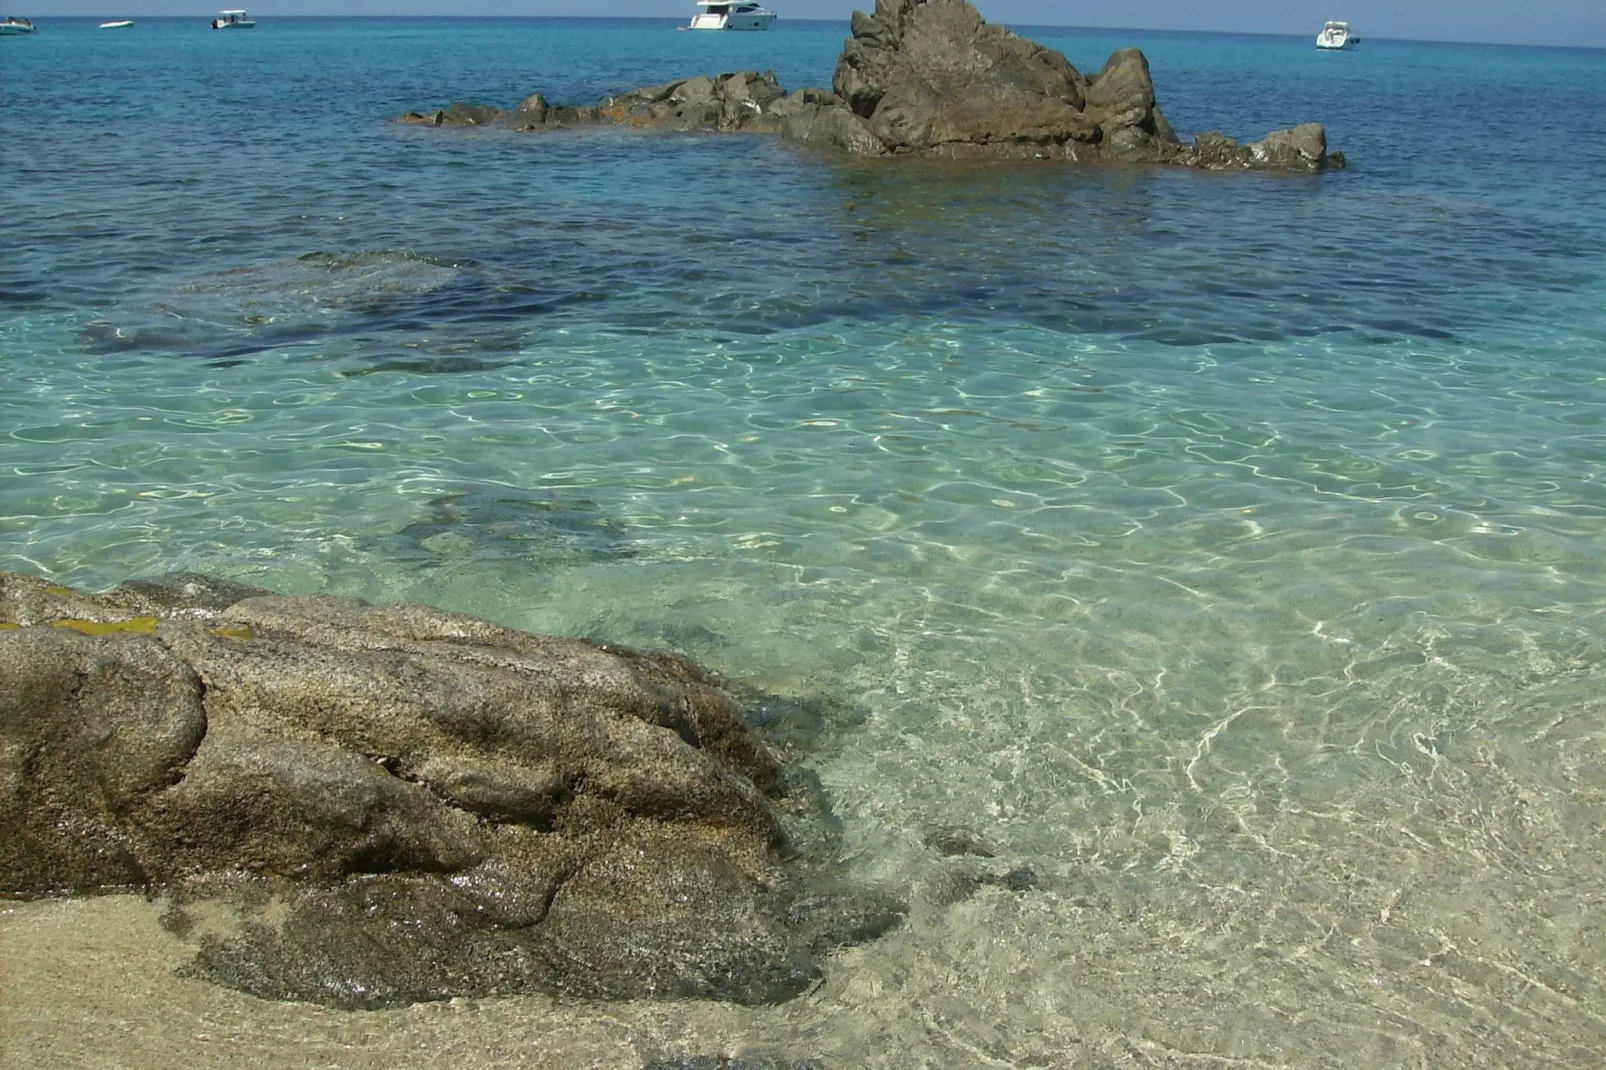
{"points": [[397, 803], [248, 309], [953, 840], [932, 78], [507, 523]]}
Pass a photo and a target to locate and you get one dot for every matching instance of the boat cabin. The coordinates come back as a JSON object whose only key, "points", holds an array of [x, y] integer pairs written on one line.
{"points": [[731, 15], [233, 19]]}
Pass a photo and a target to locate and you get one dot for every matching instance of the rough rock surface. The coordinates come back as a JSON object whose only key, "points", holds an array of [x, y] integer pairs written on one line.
{"points": [[729, 102], [932, 78], [395, 803], [725, 1062], [1302, 148]]}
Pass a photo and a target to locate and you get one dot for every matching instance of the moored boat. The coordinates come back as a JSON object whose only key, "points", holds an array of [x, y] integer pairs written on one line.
{"points": [[117, 24], [731, 15], [1336, 36], [233, 19]]}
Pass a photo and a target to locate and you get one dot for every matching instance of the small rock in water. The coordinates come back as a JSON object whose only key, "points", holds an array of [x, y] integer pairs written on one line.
{"points": [[505, 523], [952, 840], [245, 310], [1019, 879], [796, 724]]}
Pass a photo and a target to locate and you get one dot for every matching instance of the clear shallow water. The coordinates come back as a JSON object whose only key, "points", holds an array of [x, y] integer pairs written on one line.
{"points": [[1226, 548]]}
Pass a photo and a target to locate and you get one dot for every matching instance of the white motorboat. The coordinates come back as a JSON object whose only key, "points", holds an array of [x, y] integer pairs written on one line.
{"points": [[117, 24], [1335, 36], [233, 20], [731, 15], [15, 27]]}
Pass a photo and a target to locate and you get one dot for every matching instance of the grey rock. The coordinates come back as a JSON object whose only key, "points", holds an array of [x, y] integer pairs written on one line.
{"points": [[1217, 152], [1122, 88], [470, 115], [405, 804], [1121, 101], [531, 113], [693, 91], [459, 114], [807, 119], [1301, 148], [930, 74]]}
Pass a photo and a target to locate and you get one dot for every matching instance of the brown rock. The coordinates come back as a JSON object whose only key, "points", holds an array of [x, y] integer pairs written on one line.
{"points": [[932, 78], [410, 804]]}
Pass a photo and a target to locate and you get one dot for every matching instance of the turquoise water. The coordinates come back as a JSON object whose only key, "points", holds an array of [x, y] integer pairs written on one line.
{"points": [[1228, 549]]}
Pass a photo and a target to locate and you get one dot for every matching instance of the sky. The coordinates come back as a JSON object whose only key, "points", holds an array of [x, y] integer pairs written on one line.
{"points": [[1580, 23]]}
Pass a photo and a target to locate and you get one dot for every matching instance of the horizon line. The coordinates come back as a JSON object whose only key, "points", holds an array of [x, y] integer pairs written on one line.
{"points": [[677, 20]]}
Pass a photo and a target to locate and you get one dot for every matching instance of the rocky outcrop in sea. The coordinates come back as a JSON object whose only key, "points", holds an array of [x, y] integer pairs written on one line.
{"points": [[931, 78], [363, 805]]}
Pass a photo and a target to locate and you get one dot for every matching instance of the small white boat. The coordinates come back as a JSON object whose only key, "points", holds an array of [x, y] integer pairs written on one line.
{"points": [[15, 27], [117, 24], [731, 15], [233, 20], [1335, 36]]}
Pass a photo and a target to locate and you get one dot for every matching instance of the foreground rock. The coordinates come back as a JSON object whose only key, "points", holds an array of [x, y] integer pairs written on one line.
{"points": [[932, 78], [397, 803]]}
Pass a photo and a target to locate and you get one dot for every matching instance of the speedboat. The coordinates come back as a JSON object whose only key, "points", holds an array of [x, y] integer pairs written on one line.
{"points": [[233, 20], [15, 27], [1336, 35], [731, 15], [117, 24]]}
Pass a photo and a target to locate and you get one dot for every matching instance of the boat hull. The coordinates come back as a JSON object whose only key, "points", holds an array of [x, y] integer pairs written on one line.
{"points": [[11, 30], [732, 22], [121, 25]]}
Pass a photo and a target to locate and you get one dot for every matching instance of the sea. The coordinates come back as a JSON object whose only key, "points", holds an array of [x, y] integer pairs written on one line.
{"points": [[1224, 552]]}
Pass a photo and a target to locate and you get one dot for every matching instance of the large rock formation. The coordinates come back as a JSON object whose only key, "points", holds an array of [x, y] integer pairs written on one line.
{"points": [[397, 803], [932, 78]]}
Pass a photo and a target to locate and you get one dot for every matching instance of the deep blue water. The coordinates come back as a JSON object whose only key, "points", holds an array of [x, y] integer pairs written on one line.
{"points": [[1155, 518]]}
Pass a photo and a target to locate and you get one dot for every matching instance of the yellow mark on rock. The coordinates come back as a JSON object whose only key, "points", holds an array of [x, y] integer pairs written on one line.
{"points": [[140, 625], [235, 631]]}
